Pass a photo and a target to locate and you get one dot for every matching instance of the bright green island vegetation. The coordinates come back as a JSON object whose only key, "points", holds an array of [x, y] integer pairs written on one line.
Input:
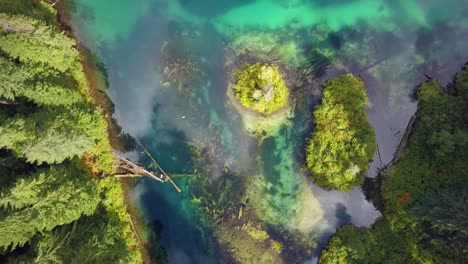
{"points": [[261, 87], [425, 217], [343, 142]]}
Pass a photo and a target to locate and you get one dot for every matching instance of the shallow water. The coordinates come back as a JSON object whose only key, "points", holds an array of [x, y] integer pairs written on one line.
{"points": [[390, 44]]}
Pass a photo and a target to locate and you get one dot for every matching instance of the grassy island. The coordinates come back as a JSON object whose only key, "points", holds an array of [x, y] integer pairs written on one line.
{"points": [[343, 141], [260, 87]]}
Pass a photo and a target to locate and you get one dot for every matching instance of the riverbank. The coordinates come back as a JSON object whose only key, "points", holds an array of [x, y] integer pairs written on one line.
{"points": [[97, 86]]}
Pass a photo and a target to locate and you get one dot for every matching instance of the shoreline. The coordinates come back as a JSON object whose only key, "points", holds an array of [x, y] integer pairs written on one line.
{"points": [[105, 105]]}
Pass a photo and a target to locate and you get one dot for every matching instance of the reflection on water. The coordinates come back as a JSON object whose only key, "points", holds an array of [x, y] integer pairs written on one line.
{"points": [[168, 71]]}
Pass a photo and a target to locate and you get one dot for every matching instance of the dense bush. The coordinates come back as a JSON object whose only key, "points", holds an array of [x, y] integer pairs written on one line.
{"points": [[261, 87], [343, 142]]}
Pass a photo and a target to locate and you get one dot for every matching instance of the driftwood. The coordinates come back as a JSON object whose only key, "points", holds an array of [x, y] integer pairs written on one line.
{"points": [[380, 157], [126, 168], [404, 139], [163, 173], [403, 143]]}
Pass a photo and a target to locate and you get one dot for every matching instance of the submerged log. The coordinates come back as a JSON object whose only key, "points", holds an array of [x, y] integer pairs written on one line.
{"points": [[163, 173], [404, 140], [402, 145]]}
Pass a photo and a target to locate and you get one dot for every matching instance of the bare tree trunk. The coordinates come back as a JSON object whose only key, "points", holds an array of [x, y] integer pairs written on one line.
{"points": [[54, 3]]}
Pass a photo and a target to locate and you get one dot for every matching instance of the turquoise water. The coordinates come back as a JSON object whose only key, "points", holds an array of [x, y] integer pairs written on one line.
{"points": [[168, 64]]}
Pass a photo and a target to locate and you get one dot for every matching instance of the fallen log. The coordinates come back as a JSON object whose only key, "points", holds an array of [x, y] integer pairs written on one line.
{"points": [[126, 168]]}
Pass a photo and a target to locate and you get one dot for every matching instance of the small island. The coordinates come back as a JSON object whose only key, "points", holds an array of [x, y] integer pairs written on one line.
{"points": [[261, 88], [343, 141]]}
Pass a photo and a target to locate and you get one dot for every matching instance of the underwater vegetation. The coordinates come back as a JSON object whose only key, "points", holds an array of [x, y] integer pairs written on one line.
{"points": [[179, 67], [343, 142], [261, 88]]}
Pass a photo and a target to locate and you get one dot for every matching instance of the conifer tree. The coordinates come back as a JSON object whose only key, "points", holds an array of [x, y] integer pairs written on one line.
{"points": [[22, 81], [52, 134], [47, 198]]}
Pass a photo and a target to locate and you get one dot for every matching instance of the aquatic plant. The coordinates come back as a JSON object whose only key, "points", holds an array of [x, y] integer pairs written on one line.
{"points": [[177, 70], [278, 246], [179, 65], [261, 88], [255, 232], [343, 141], [266, 46]]}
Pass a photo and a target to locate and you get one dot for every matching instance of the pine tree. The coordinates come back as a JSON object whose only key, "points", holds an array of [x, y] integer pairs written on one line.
{"points": [[446, 216], [44, 200], [34, 42], [22, 81], [52, 134], [91, 240]]}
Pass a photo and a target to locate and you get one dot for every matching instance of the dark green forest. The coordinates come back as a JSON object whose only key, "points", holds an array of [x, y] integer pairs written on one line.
{"points": [[425, 194], [55, 206]]}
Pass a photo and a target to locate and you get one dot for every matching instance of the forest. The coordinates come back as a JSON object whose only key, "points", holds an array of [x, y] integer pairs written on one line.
{"points": [[424, 193], [54, 150]]}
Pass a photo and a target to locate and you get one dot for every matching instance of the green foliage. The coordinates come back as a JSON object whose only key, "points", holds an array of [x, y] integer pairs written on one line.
{"points": [[461, 83], [21, 81], [343, 142], [52, 119], [445, 216], [366, 246], [261, 87], [44, 200], [34, 42], [425, 193], [255, 232], [278, 246], [36, 9], [52, 135], [90, 240]]}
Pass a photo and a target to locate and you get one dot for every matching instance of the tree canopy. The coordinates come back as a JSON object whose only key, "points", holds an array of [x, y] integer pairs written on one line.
{"points": [[260, 87], [343, 142], [41, 201]]}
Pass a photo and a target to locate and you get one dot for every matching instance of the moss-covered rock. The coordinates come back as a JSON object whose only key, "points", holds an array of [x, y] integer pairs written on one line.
{"points": [[260, 87]]}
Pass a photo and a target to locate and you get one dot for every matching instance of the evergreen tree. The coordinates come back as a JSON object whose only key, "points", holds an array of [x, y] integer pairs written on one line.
{"points": [[90, 240], [31, 41], [445, 215], [22, 81], [52, 134], [44, 200]]}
